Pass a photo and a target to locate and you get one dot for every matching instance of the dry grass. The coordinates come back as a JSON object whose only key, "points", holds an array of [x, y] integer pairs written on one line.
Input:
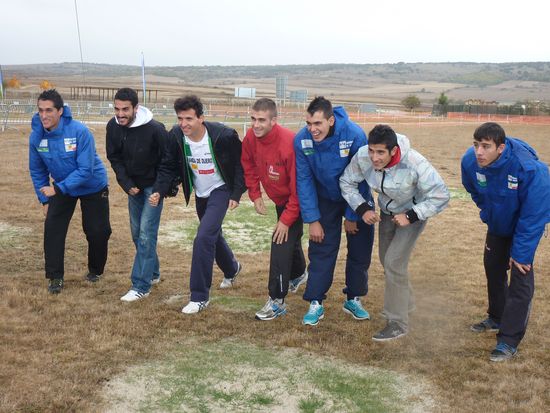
{"points": [[57, 353]]}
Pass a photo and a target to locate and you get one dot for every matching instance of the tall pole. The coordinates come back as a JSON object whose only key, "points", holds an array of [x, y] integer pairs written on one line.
{"points": [[143, 77]]}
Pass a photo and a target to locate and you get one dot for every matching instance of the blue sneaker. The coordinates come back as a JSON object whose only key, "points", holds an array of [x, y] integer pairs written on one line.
{"points": [[355, 308], [503, 352], [315, 313], [294, 284]]}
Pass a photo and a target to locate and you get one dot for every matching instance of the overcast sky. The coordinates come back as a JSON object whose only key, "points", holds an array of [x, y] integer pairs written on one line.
{"points": [[256, 32]]}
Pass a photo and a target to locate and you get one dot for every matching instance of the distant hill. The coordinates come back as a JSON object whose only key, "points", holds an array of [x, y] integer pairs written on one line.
{"points": [[355, 82]]}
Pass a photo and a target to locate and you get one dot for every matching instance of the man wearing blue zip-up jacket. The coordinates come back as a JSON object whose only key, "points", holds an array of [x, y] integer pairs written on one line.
{"points": [[63, 150], [511, 187], [323, 150]]}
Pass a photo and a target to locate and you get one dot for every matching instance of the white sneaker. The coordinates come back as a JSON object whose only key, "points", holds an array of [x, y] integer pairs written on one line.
{"points": [[228, 282], [294, 284], [133, 295], [155, 281], [194, 307]]}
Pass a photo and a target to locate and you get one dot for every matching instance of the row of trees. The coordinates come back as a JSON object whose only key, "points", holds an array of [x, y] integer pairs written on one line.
{"points": [[15, 83]]}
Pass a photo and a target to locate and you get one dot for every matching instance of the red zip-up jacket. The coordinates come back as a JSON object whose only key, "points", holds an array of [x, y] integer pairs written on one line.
{"points": [[271, 161]]}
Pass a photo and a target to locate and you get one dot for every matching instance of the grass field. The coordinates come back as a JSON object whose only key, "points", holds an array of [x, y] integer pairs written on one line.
{"points": [[84, 350]]}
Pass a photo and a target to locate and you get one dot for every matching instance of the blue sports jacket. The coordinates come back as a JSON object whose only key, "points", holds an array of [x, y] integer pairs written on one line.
{"points": [[513, 195], [67, 155], [320, 164]]}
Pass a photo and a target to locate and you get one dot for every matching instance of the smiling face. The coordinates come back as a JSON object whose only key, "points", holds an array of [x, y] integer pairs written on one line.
{"points": [[191, 125], [318, 125], [380, 155], [49, 114], [487, 151], [125, 113], [262, 122]]}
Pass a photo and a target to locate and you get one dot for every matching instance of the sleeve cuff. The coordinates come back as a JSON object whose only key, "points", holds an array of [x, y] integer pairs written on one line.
{"points": [[411, 216], [364, 207]]}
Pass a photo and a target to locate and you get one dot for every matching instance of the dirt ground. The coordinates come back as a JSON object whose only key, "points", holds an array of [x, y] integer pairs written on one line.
{"points": [[58, 352]]}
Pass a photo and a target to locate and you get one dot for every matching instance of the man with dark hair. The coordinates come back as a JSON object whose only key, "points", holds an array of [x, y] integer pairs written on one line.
{"points": [[136, 148], [323, 149], [268, 158], [206, 156], [511, 187], [409, 192], [63, 150]]}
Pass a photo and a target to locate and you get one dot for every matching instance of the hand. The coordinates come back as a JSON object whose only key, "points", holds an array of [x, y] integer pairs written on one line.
{"points": [[48, 191], [233, 204], [523, 268], [154, 199], [370, 217], [280, 234], [401, 220], [316, 232], [350, 227], [133, 191], [259, 206], [45, 210]]}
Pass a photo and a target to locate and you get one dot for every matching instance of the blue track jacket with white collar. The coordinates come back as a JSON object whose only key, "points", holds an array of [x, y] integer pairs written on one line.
{"points": [[67, 155], [513, 195], [320, 164]]}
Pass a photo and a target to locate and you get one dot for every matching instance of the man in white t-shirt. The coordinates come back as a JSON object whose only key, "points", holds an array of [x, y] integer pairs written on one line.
{"points": [[206, 156]]}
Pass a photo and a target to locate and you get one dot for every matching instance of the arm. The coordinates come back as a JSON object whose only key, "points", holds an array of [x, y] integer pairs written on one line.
{"points": [[436, 195], [115, 156], [305, 186], [238, 185], [292, 207], [534, 198], [250, 172], [39, 171], [85, 159]]}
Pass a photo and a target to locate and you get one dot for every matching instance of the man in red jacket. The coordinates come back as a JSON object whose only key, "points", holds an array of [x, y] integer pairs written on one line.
{"points": [[268, 157]]}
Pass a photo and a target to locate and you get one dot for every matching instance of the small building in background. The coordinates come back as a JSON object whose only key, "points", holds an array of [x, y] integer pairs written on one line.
{"points": [[298, 95], [245, 92]]}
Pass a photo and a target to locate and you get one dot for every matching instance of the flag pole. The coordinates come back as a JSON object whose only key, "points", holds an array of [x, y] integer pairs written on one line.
{"points": [[143, 77]]}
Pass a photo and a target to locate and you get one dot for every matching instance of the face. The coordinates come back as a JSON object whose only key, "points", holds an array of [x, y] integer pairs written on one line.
{"points": [[49, 115], [380, 156], [487, 152], [318, 125], [191, 124], [262, 122], [125, 113]]}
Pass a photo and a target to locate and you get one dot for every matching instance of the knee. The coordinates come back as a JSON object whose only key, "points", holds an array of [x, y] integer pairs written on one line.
{"points": [[98, 233]]}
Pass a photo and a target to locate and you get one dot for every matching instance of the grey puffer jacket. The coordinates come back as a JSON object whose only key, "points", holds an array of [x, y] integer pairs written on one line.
{"points": [[411, 184]]}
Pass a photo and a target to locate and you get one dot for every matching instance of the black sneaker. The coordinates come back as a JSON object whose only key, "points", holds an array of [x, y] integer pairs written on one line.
{"points": [[487, 325], [55, 285], [93, 277], [390, 332]]}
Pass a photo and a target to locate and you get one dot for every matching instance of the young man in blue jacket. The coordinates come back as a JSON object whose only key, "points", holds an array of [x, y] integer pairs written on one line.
{"points": [[136, 147], [323, 150], [511, 187], [62, 150]]}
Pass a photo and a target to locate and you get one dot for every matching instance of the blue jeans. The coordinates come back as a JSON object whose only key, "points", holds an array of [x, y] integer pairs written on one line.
{"points": [[144, 224]]}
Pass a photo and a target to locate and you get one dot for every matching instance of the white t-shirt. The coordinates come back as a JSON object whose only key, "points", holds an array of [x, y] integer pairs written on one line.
{"points": [[205, 176]]}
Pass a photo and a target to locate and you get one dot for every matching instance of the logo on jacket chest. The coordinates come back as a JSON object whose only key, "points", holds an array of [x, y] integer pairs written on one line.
{"points": [[307, 146], [512, 182], [43, 146], [344, 148], [70, 144], [481, 179], [272, 173]]}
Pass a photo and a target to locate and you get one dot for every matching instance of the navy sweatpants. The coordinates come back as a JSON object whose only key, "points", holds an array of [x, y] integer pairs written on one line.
{"points": [[509, 303], [210, 245], [322, 255]]}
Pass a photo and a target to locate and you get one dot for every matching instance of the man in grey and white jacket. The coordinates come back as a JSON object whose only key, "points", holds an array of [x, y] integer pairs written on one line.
{"points": [[409, 192]]}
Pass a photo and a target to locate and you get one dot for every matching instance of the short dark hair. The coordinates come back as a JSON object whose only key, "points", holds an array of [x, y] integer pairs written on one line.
{"points": [[127, 94], [265, 104], [490, 131], [54, 96], [189, 102], [383, 134], [321, 104]]}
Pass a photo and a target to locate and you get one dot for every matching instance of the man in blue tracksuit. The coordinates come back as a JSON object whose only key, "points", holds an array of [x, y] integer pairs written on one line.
{"points": [[511, 187], [323, 150], [63, 150]]}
